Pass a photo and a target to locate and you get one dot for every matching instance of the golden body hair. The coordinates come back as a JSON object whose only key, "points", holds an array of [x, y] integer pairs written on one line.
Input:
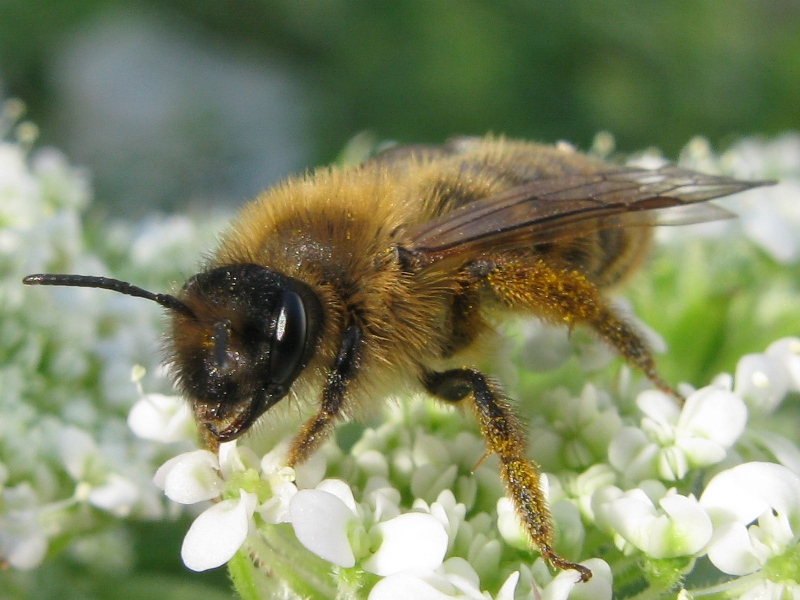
{"points": [[338, 230]]}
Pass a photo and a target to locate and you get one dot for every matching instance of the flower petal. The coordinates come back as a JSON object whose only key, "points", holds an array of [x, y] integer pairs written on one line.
{"points": [[321, 521], [190, 477], [633, 454], [234, 458], [341, 490], [599, 586], [658, 406], [508, 588], [460, 573], [311, 472], [416, 585], [772, 590], [276, 509], [714, 414], [23, 543], [117, 495], [162, 418], [509, 526], [787, 351], [689, 525], [700, 452], [78, 451], [732, 551], [218, 533], [681, 530], [762, 381], [784, 450], [410, 541], [746, 491]]}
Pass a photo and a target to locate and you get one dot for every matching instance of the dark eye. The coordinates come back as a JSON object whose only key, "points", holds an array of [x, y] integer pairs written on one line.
{"points": [[222, 337], [289, 340]]}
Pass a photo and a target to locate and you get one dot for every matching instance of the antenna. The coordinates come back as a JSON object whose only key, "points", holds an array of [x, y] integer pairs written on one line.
{"points": [[115, 285]]}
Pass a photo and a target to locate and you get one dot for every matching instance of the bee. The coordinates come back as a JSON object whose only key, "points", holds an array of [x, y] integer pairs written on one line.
{"points": [[354, 284]]}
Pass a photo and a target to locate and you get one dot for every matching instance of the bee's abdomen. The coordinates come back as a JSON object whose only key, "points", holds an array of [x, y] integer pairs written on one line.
{"points": [[619, 253], [606, 257]]}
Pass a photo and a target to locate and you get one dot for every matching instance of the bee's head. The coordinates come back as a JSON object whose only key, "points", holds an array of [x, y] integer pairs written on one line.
{"points": [[250, 333], [241, 334]]}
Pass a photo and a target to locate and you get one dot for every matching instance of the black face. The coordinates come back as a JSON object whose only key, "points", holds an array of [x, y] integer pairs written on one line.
{"points": [[251, 333]]}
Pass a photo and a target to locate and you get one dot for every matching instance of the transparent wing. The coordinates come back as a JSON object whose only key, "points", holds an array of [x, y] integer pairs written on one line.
{"points": [[569, 206]]}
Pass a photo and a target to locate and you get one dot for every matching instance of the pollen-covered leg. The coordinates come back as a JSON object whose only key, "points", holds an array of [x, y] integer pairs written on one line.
{"points": [[564, 296], [631, 346], [504, 437], [317, 429]]}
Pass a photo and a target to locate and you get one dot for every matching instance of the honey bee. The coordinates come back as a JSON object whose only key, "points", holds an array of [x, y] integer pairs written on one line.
{"points": [[353, 284]]}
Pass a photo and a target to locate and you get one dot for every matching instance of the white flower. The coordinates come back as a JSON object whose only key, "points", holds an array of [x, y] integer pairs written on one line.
{"points": [[191, 477], [756, 512], [447, 510], [116, 495], [63, 185], [284, 481], [409, 541], [578, 431], [327, 521], [753, 157], [546, 346], [23, 541], [671, 440], [162, 418], [322, 522], [770, 218], [565, 515], [583, 487], [678, 526], [787, 352], [762, 381], [20, 192], [217, 533], [434, 471], [565, 584], [455, 578], [474, 539], [97, 485]]}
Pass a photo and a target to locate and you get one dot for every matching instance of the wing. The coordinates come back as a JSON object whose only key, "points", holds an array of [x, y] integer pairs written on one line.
{"points": [[568, 206]]}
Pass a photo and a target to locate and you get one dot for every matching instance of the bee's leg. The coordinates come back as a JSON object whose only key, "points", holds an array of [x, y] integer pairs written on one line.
{"points": [[504, 436], [317, 428], [568, 297]]}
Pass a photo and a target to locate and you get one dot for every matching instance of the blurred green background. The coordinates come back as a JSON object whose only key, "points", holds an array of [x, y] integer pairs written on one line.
{"points": [[181, 104], [173, 102]]}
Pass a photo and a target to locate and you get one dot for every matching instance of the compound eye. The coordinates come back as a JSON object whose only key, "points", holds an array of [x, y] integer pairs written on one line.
{"points": [[289, 338], [222, 338]]}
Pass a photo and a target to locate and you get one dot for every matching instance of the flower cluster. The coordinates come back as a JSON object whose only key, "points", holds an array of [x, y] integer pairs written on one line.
{"points": [[745, 519], [70, 468], [53, 461], [441, 545], [657, 499]]}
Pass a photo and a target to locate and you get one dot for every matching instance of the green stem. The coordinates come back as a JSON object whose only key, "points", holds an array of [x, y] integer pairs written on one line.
{"points": [[274, 560]]}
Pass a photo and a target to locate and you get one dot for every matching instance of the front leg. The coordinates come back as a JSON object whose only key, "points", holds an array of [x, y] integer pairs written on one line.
{"points": [[317, 429], [504, 436]]}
